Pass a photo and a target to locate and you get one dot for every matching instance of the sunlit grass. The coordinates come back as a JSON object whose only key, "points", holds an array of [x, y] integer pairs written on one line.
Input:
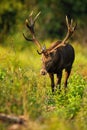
{"points": [[23, 91]]}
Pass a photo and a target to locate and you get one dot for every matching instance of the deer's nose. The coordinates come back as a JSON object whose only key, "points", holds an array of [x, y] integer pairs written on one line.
{"points": [[43, 72]]}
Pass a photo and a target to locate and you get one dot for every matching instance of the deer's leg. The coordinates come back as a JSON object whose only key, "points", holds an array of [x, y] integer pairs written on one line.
{"points": [[67, 74], [52, 81], [58, 82]]}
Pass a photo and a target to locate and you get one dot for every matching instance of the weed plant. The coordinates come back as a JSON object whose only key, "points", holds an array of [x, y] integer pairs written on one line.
{"points": [[24, 92]]}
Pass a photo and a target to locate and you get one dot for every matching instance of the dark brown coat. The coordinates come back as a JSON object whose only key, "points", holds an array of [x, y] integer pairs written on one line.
{"points": [[56, 61]]}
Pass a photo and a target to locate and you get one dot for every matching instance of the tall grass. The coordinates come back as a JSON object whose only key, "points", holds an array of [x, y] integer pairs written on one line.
{"points": [[24, 92]]}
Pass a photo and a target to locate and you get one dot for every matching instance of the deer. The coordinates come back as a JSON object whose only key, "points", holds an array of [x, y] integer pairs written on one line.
{"points": [[58, 57]]}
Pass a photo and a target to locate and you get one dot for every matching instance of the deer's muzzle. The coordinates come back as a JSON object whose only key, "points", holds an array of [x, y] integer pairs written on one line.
{"points": [[43, 72]]}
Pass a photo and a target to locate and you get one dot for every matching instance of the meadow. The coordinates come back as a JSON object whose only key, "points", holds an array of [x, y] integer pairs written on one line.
{"points": [[23, 91]]}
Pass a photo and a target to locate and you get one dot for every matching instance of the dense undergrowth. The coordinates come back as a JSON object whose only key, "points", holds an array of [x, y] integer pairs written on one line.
{"points": [[24, 92]]}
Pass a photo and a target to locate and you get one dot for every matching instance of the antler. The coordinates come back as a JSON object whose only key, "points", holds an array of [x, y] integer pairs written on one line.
{"points": [[30, 25], [71, 28]]}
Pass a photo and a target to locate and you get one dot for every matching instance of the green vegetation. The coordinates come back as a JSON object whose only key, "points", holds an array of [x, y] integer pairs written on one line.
{"points": [[14, 12], [24, 92]]}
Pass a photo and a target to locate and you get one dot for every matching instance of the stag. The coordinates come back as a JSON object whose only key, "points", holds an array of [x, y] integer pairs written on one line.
{"points": [[60, 55]]}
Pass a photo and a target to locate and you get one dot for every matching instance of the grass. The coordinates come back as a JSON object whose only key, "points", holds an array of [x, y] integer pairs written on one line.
{"points": [[24, 92]]}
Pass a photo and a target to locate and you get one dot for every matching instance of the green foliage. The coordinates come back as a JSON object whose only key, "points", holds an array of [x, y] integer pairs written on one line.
{"points": [[8, 15], [24, 92], [53, 14]]}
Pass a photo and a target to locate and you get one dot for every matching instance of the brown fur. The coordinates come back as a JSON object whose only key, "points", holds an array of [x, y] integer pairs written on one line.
{"points": [[56, 61]]}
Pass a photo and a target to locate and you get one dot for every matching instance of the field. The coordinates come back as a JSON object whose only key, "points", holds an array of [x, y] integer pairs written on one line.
{"points": [[24, 92]]}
